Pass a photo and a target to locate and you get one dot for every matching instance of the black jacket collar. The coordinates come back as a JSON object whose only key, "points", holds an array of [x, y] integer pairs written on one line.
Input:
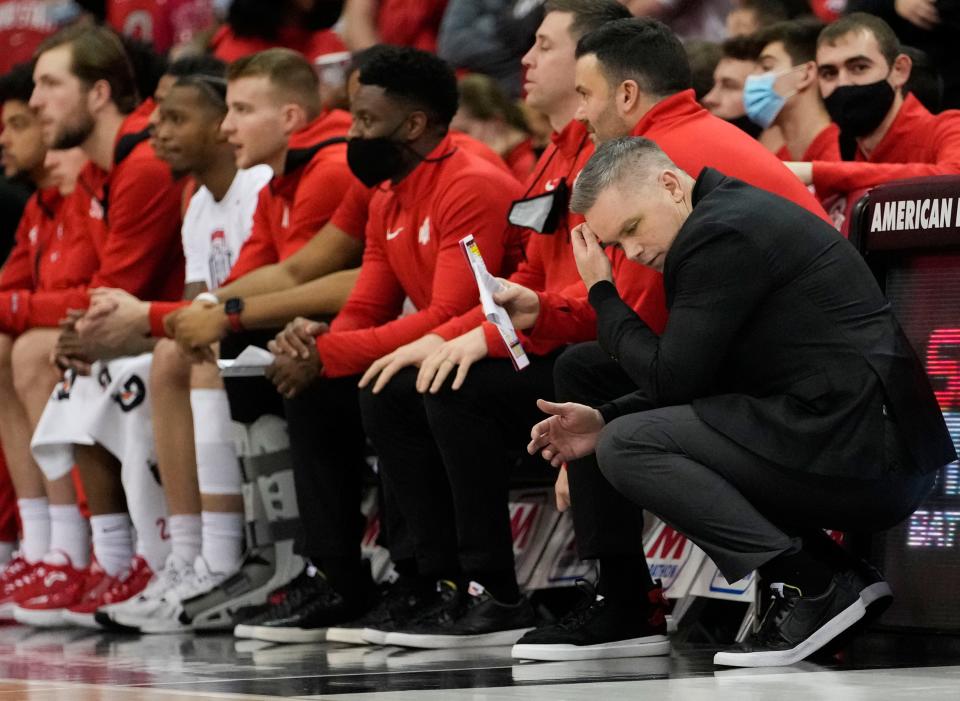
{"points": [[708, 181]]}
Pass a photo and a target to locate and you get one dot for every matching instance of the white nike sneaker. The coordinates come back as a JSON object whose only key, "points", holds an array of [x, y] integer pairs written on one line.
{"points": [[173, 572], [165, 615]]}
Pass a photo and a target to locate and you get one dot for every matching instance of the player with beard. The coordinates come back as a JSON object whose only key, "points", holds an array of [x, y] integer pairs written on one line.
{"points": [[46, 258], [85, 95]]}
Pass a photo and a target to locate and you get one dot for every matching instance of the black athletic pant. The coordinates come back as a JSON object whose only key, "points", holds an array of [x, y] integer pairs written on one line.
{"points": [[447, 459], [327, 442], [740, 509]]}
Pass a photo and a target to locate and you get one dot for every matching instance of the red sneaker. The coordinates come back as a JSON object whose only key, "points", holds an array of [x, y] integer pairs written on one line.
{"points": [[109, 590], [55, 587], [13, 579]]}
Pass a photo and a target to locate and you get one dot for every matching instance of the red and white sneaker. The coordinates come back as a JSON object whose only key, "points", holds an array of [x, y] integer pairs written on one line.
{"points": [[109, 590], [54, 588], [13, 579]]}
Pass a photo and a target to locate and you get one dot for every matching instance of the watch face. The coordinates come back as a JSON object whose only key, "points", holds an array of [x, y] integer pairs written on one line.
{"points": [[234, 305]]}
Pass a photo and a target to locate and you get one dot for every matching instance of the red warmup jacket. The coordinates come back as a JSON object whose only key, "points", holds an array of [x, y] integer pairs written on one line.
{"points": [[522, 160], [918, 144], [351, 214], [694, 139], [549, 264], [47, 257], [131, 215], [294, 205], [824, 147], [412, 250]]}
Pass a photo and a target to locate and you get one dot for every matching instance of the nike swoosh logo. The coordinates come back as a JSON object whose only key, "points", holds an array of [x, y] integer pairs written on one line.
{"points": [[391, 235]]}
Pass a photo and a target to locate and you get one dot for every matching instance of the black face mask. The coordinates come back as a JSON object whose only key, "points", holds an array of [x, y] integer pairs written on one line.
{"points": [[377, 159], [374, 160], [859, 109], [744, 124]]}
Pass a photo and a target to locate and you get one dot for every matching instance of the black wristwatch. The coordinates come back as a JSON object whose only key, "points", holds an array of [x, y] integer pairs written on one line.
{"points": [[233, 308]]}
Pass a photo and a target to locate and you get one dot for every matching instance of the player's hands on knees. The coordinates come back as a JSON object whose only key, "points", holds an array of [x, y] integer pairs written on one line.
{"points": [[459, 354], [571, 432], [290, 374], [521, 303], [298, 339], [412, 354], [562, 490]]}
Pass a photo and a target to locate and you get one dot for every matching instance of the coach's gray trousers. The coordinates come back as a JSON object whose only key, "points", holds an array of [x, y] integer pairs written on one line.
{"points": [[739, 508]]}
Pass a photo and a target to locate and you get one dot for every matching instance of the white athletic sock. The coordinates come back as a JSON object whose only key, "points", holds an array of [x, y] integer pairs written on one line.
{"points": [[69, 534], [35, 520], [112, 542], [218, 470], [222, 540], [6, 551], [185, 536]]}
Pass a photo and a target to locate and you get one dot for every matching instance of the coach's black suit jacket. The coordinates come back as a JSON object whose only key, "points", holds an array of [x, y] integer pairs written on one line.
{"points": [[779, 337]]}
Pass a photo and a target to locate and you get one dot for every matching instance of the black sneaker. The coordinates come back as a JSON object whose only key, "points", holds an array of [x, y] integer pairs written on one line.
{"points": [[309, 622], [474, 619], [598, 629], [796, 626], [875, 592], [281, 603], [399, 603]]}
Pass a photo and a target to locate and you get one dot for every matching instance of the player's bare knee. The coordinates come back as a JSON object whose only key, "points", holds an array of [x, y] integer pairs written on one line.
{"points": [[205, 376], [170, 368], [31, 362]]}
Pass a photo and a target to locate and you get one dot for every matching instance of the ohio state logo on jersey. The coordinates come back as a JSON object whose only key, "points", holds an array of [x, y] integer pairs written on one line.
{"points": [[132, 395]]}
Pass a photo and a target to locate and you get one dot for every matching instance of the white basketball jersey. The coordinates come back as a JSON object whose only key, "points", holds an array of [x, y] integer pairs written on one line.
{"points": [[213, 232]]}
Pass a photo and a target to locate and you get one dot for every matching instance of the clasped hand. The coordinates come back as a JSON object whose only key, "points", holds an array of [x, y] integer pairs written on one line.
{"points": [[297, 363]]}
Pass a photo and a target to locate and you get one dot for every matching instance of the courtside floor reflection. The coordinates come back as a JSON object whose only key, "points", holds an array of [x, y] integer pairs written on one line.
{"points": [[85, 665]]}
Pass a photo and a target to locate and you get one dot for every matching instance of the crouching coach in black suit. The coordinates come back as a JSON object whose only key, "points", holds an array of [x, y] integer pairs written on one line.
{"points": [[782, 398]]}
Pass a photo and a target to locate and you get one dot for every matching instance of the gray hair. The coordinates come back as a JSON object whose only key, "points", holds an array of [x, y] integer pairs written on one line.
{"points": [[627, 156]]}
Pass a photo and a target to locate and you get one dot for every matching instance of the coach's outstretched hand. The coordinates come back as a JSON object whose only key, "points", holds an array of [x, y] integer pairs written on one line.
{"points": [[571, 432]]}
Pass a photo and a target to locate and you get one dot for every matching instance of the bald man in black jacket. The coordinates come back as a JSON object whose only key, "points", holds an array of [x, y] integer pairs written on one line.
{"points": [[781, 399]]}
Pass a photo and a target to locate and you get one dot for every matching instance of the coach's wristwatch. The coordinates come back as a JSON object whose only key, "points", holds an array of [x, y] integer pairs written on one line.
{"points": [[233, 308]]}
